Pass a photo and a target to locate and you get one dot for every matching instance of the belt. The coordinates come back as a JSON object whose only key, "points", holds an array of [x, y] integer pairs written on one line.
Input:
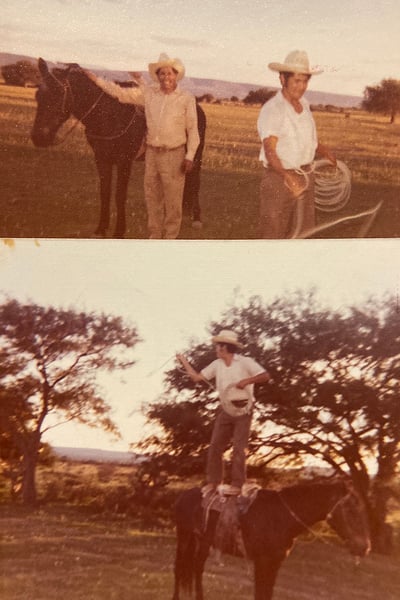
{"points": [[164, 148], [306, 168]]}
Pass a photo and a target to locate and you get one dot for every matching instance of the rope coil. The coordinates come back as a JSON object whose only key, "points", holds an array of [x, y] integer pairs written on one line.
{"points": [[332, 186]]}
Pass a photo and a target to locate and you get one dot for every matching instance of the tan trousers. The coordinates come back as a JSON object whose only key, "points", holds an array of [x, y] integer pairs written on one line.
{"points": [[163, 191], [281, 215]]}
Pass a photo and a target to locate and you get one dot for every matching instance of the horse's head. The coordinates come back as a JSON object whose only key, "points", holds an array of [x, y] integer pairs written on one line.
{"points": [[349, 519], [54, 101]]}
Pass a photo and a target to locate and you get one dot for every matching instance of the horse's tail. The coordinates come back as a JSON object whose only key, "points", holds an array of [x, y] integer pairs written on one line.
{"points": [[185, 560], [187, 540]]}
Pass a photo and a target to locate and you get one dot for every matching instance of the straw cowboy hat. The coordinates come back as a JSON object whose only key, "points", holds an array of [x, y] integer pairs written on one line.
{"points": [[165, 61], [227, 337], [295, 62]]}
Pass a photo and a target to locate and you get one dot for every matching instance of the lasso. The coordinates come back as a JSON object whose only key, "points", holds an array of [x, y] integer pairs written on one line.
{"points": [[332, 189], [333, 186]]}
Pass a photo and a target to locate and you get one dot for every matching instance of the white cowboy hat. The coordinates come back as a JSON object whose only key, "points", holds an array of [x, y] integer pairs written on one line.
{"points": [[295, 62], [165, 61], [227, 337]]}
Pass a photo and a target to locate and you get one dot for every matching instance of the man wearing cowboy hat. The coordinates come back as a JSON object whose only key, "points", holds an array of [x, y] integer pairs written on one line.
{"points": [[171, 141], [235, 376], [289, 144]]}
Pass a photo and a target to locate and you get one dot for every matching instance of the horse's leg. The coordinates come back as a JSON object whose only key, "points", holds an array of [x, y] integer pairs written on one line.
{"points": [[201, 557], [123, 174], [104, 169], [265, 572]]}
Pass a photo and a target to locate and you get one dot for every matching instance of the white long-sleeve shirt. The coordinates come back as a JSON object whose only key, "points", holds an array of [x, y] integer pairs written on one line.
{"points": [[171, 118]]}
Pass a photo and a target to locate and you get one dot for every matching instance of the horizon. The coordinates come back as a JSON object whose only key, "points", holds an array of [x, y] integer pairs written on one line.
{"points": [[356, 45], [103, 71]]}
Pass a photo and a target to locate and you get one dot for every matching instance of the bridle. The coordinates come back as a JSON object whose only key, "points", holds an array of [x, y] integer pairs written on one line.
{"points": [[67, 92], [327, 518]]}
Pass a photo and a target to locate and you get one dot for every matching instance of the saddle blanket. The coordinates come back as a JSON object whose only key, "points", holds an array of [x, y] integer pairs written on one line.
{"points": [[228, 537]]}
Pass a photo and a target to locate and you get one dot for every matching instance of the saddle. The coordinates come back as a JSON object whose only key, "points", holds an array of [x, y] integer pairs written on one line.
{"points": [[228, 537]]}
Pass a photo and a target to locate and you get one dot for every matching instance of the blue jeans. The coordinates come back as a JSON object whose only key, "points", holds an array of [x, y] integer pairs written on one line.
{"points": [[228, 430]]}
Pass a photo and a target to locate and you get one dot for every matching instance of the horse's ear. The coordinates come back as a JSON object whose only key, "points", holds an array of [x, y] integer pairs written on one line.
{"points": [[43, 68]]}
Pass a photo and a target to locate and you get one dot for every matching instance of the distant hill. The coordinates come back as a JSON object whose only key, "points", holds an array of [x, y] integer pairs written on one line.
{"points": [[199, 86], [96, 455]]}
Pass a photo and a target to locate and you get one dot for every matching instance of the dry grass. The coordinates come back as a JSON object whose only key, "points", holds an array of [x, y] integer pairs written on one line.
{"points": [[54, 192], [62, 553], [70, 551]]}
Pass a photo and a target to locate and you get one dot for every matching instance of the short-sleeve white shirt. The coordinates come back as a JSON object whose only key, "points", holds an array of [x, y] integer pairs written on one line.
{"points": [[296, 132], [240, 368]]}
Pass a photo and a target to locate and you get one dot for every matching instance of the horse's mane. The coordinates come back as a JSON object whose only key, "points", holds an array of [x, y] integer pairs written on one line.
{"points": [[111, 89], [315, 487], [304, 487]]}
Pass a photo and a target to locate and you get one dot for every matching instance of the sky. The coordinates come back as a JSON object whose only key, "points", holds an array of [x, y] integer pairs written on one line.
{"points": [[171, 291], [356, 43]]}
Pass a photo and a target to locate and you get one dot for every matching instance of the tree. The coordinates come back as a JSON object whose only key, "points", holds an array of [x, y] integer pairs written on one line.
{"points": [[50, 359], [334, 396], [259, 96], [208, 98], [383, 98], [21, 73]]}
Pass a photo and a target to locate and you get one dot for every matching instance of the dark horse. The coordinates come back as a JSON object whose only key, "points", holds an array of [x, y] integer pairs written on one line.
{"points": [[269, 527], [115, 131]]}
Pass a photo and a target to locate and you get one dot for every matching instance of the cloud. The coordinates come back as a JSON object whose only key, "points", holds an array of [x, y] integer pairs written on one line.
{"points": [[180, 41]]}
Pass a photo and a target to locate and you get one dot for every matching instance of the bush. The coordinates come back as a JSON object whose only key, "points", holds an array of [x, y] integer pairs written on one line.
{"points": [[21, 73], [259, 96]]}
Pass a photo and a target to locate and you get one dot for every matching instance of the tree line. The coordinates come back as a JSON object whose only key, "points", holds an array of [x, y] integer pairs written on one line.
{"points": [[22, 73], [383, 98], [334, 395]]}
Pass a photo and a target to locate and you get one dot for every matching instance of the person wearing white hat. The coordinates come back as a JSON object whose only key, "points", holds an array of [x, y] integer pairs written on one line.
{"points": [[235, 376], [289, 144], [171, 141]]}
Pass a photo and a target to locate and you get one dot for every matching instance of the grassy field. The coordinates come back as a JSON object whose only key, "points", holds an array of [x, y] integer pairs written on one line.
{"points": [[63, 553], [81, 550], [54, 192]]}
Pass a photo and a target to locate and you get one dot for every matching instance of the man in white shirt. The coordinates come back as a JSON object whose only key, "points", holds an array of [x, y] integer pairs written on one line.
{"points": [[289, 144], [235, 376], [171, 141]]}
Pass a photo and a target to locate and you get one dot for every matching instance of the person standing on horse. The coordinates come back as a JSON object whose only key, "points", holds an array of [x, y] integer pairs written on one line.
{"points": [[289, 144], [171, 141], [235, 376]]}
